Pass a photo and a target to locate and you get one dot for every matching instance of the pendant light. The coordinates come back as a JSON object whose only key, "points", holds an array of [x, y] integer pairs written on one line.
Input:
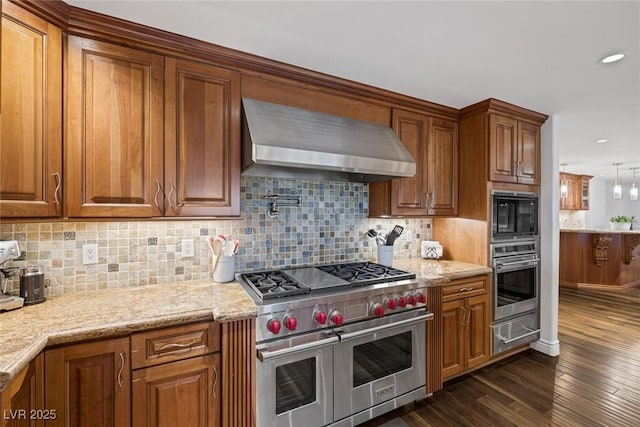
{"points": [[633, 191], [564, 184], [617, 187]]}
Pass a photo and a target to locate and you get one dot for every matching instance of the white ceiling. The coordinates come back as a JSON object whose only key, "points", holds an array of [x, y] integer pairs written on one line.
{"points": [[541, 55]]}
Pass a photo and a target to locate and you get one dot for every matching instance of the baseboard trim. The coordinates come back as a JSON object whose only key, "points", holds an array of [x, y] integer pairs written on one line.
{"points": [[550, 348]]}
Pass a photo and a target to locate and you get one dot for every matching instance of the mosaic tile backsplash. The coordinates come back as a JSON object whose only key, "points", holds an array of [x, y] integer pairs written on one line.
{"points": [[329, 227]]}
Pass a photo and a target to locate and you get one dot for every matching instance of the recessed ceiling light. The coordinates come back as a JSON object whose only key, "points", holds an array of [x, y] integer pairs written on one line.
{"points": [[601, 141], [613, 58]]}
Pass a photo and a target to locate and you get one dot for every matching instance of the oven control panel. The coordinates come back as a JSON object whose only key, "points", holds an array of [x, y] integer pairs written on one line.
{"points": [[325, 314]]}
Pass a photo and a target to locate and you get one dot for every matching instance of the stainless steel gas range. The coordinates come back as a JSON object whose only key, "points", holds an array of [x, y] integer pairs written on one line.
{"points": [[337, 344]]}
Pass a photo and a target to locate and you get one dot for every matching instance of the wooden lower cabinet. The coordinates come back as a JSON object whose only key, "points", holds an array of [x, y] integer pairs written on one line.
{"points": [[89, 384], [21, 401], [184, 393], [466, 340]]}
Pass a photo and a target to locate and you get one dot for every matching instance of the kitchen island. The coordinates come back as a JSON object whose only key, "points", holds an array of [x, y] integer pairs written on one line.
{"points": [[599, 259]]}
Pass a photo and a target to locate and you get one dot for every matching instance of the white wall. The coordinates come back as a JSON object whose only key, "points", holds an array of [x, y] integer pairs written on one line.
{"points": [[596, 216], [549, 240], [604, 206]]}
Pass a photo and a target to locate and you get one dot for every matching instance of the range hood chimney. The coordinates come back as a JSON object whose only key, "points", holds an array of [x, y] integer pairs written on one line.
{"points": [[289, 142]]}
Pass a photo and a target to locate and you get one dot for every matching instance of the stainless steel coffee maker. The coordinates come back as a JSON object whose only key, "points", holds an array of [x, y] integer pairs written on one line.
{"points": [[9, 250], [32, 285]]}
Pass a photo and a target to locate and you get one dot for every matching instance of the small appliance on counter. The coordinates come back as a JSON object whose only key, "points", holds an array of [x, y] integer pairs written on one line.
{"points": [[32, 285], [9, 250], [431, 249]]}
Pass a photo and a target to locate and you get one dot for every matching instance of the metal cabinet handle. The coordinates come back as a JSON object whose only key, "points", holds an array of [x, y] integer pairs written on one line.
{"points": [[466, 289], [521, 168], [56, 192], [171, 190], [155, 197], [121, 369], [178, 345], [531, 332], [215, 382], [431, 200]]}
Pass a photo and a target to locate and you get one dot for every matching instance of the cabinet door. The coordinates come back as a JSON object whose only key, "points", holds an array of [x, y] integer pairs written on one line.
{"points": [[202, 140], [503, 151], [184, 393], [442, 168], [408, 195], [24, 394], [528, 153], [89, 384], [114, 136], [31, 131], [477, 338], [453, 338], [584, 193]]}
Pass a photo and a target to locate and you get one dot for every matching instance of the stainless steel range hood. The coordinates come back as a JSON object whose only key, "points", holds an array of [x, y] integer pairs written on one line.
{"points": [[283, 141]]}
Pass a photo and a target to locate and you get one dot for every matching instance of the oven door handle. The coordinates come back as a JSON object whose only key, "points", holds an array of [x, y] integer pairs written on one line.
{"points": [[264, 354], [352, 335], [531, 332], [522, 263]]}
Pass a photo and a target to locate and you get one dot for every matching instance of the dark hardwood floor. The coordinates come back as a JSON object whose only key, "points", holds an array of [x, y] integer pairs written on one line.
{"points": [[594, 382]]}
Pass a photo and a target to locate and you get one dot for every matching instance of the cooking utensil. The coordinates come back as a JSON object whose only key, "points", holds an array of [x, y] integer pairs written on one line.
{"points": [[218, 244], [231, 247], [395, 233], [372, 233], [210, 240]]}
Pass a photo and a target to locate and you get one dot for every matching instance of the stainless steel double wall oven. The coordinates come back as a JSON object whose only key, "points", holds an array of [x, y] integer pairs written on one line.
{"points": [[350, 347], [515, 260]]}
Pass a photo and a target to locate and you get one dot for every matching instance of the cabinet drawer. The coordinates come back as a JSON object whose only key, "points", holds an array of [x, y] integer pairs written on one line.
{"points": [[465, 288], [169, 344]]}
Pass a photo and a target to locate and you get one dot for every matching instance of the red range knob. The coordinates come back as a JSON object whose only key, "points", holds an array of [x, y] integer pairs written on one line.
{"points": [[320, 317], [336, 318], [411, 300], [290, 323], [391, 304], [402, 302], [377, 310], [422, 298], [273, 326]]}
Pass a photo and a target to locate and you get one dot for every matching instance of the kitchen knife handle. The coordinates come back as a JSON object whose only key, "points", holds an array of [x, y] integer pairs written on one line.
{"points": [[121, 369], [56, 192]]}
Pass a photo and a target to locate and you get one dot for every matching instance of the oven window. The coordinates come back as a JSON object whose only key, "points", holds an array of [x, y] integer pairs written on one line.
{"points": [[515, 286], [377, 359], [295, 385]]}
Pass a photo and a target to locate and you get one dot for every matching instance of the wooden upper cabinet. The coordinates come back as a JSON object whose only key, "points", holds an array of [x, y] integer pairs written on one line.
{"points": [[31, 131], [202, 140], [433, 144], [409, 194], [89, 384], [514, 150], [442, 168], [577, 191], [114, 131]]}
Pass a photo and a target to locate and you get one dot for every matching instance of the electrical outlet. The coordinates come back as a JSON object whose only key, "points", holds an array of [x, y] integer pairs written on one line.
{"points": [[187, 248], [90, 254]]}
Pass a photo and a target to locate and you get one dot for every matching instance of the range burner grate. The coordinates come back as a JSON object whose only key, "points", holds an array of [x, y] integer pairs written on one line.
{"points": [[274, 284], [366, 273]]}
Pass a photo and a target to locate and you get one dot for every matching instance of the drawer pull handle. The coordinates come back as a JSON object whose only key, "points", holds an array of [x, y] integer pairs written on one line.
{"points": [[191, 342], [121, 369], [215, 382], [529, 333], [466, 289]]}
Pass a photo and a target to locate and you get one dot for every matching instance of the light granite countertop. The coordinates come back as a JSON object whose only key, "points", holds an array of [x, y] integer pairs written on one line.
{"points": [[598, 231], [83, 316]]}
